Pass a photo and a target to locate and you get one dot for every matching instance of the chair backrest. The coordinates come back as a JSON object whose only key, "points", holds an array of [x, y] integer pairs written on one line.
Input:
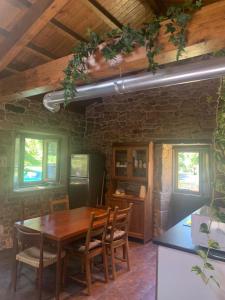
{"points": [[59, 204], [97, 228], [24, 239], [120, 221]]}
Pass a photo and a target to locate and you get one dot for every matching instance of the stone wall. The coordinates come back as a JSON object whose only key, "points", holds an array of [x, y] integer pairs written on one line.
{"points": [[162, 186], [174, 114], [30, 116], [171, 114]]}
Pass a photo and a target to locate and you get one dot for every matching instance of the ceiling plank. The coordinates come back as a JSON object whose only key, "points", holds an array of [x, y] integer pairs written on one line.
{"points": [[32, 47], [104, 14], [37, 17], [67, 30], [206, 35]]}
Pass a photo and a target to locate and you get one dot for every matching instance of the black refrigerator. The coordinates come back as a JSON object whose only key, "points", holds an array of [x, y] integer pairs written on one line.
{"points": [[86, 180]]}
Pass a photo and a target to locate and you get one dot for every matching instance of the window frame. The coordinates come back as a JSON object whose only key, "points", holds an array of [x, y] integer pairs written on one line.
{"points": [[46, 138], [189, 148]]}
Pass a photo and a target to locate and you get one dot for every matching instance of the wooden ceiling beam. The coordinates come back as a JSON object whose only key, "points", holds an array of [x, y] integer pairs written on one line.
{"points": [[206, 35], [104, 14], [39, 14], [67, 30]]}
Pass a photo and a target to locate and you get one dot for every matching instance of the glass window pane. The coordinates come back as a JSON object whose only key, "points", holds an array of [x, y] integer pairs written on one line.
{"points": [[188, 171], [33, 160], [139, 163], [121, 163], [79, 165], [16, 163], [52, 151]]}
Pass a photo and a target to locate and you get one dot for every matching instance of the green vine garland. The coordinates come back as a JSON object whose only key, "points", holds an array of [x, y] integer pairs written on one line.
{"points": [[124, 41], [206, 270]]}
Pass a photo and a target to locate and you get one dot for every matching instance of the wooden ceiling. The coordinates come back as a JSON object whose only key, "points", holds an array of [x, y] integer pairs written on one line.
{"points": [[56, 31], [34, 32]]}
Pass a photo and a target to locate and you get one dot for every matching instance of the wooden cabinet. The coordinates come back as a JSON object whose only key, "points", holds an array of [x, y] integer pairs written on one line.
{"points": [[132, 167], [130, 163]]}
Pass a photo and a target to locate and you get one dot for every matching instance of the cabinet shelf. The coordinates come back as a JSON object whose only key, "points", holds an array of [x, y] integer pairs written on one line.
{"points": [[121, 166], [129, 197], [130, 178]]}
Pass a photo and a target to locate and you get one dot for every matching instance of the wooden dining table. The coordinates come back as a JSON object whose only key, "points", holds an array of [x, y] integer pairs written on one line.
{"points": [[62, 227]]}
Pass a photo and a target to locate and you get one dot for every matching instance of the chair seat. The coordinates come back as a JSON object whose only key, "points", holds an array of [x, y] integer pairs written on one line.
{"points": [[118, 234], [31, 256], [81, 247]]}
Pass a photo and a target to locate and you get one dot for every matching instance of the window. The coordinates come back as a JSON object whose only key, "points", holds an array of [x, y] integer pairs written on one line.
{"points": [[191, 169], [37, 160]]}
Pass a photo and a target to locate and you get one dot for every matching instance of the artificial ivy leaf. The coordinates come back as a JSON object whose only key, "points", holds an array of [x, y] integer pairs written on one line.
{"points": [[183, 19], [196, 269], [198, 3], [204, 228], [202, 254], [209, 266], [170, 28], [213, 244], [219, 53]]}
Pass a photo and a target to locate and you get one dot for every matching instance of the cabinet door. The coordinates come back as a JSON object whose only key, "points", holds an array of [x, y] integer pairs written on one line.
{"points": [[136, 228], [121, 203], [139, 165], [120, 162]]}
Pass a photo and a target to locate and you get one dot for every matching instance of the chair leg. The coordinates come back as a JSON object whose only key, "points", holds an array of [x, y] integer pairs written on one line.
{"points": [[82, 265], [127, 255], [15, 275], [105, 263], [40, 277], [64, 272], [113, 263], [88, 275], [124, 252], [37, 277]]}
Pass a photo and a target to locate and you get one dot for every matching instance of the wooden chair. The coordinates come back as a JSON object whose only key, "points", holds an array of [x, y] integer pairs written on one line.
{"points": [[59, 205], [117, 236], [92, 247], [29, 249]]}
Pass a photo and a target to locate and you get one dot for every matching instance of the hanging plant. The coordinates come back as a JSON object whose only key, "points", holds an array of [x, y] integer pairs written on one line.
{"points": [[179, 17], [207, 271], [124, 41]]}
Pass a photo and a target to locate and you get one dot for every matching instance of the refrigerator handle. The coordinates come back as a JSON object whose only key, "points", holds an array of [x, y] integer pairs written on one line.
{"points": [[102, 190]]}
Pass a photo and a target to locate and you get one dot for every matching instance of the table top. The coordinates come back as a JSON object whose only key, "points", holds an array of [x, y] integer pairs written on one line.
{"points": [[179, 237], [62, 225]]}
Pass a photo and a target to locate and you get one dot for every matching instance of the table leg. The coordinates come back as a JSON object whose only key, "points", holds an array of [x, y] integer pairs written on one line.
{"points": [[58, 270]]}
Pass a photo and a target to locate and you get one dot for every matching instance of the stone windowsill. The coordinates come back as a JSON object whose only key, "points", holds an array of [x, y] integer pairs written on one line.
{"points": [[38, 188]]}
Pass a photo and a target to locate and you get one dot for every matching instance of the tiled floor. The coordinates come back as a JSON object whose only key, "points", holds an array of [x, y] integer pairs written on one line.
{"points": [[138, 284]]}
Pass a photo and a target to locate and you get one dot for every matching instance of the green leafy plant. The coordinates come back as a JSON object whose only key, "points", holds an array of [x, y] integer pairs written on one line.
{"points": [[179, 17], [124, 41], [206, 270]]}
